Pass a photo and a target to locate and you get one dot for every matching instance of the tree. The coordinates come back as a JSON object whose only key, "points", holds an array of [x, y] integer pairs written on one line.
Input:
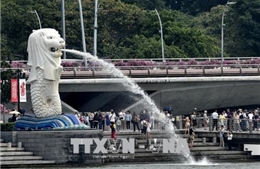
{"points": [[147, 4], [242, 27], [120, 25], [6, 76], [246, 28]]}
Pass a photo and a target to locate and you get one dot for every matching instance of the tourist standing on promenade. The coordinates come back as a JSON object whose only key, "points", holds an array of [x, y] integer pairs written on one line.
{"points": [[102, 121], [229, 140], [112, 118], [118, 125], [135, 122], [221, 136], [237, 122], [250, 120], [256, 121], [148, 131], [86, 118], [91, 118], [142, 117], [222, 119], [122, 119], [107, 128], [205, 119], [191, 136], [230, 117], [187, 124], [194, 119], [243, 119], [215, 120], [128, 119], [144, 129], [96, 120]]}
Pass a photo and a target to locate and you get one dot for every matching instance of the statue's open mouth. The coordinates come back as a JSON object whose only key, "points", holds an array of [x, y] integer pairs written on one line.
{"points": [[54, 49]]}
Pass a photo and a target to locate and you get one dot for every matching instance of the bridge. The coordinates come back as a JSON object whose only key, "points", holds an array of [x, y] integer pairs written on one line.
{"points": [[182, 87], [183, 94]]}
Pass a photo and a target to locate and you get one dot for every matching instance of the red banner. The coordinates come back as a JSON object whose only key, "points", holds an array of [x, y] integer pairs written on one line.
{"points": [[14, 91]]}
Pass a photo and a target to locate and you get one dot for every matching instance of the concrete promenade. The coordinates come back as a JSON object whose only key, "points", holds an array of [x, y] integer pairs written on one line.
{"points": [[55, 148]]}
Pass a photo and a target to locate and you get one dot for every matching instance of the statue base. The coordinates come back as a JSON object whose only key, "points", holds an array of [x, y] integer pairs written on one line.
{"points": [[65, 121]]}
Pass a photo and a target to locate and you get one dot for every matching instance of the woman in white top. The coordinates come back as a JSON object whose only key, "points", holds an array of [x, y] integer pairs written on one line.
{"points": [[205, 119], [112, 118], [122, 119], [229, 139], [148, 131]]}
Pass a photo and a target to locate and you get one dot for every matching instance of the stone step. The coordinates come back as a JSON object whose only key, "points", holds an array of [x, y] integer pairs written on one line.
{"points": [[27, 162], [15, 153], [144, 154], [231, 157], [11, 149], [15, 158], [207, 148], [131, 132], [196, 144], [144, 159], [246, 157], [222, 152], [5, 144], [137, 134]]}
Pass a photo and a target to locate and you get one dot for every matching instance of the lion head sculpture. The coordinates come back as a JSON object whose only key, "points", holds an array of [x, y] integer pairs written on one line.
{"points": [[44, 52]]}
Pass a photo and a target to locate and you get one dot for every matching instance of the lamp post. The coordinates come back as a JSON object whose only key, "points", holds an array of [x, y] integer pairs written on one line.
{"points": [[37, 18], [19, 75], [161, 31], [63, 24], [82, 31], [222, 32], [95, 29]]}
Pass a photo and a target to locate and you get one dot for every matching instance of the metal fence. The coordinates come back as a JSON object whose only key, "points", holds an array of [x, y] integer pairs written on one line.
{"points": [[231, 124]]}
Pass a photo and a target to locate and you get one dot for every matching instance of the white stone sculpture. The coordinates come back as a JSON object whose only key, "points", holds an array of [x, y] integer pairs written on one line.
{"points": [[44, 58]]}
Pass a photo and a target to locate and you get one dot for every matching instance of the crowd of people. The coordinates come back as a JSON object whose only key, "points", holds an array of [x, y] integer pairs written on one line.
{"points": [[235, 120], [228, 120], [112, 121]]}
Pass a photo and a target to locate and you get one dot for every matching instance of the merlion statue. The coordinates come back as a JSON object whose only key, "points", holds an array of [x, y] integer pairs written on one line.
{"points": [[45, 61]]}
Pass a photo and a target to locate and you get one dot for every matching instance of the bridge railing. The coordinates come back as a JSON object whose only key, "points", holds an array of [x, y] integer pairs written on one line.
{"points": [[235, 59], [161, 70]]}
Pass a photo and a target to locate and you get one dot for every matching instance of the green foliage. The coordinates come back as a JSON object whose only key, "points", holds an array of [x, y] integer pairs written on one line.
{"points": [[7, 126], [6, 82], [246, 28], [242, 27], [130, 28], [193, 7], [147, 4]]}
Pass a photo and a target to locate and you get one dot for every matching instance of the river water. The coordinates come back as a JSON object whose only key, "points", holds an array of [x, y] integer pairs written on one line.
{"points": [[206, 165], [203, 164]]}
